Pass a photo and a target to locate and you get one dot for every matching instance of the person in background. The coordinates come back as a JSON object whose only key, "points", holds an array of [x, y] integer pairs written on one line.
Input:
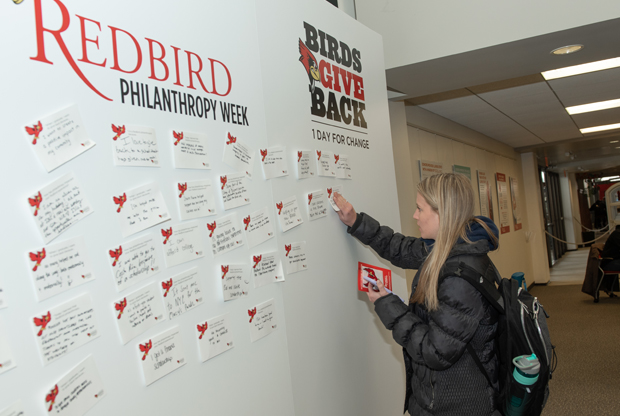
{"points": [[443, 315], [611, 251]]}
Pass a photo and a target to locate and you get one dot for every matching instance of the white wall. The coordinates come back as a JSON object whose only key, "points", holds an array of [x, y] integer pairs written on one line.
{"points": [[567, 192]]}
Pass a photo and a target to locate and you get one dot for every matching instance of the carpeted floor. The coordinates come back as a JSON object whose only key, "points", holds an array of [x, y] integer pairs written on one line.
{"points": [[587, 339]]}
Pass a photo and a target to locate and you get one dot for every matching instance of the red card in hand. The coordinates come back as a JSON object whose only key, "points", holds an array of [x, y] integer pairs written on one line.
{"points": [[373, 272]]}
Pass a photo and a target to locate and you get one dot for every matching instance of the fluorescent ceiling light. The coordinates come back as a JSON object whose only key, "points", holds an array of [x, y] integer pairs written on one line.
{"points": [[581, 69], [600, 128], [586, 108], [614, 141], [609, 177]]}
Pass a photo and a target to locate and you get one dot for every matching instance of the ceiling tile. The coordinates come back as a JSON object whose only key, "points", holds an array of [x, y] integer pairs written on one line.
{"points": [[587, 88], [597, 118]]}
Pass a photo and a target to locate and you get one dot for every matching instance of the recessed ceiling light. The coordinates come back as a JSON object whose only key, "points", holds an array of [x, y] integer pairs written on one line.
{"points": [[581, 69], [614, 141], [600, 128], [565, 50], [586, 108]]}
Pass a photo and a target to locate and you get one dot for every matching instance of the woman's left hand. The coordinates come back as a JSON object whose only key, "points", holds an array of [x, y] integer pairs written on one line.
{"points": [[372, 295]]}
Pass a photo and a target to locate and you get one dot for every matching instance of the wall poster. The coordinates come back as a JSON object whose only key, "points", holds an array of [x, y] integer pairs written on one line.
{"points": [[485, 192], [502, 203]]}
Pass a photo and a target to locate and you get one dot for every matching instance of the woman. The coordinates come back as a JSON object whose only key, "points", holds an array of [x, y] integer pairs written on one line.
{"points": [[445, 313]]}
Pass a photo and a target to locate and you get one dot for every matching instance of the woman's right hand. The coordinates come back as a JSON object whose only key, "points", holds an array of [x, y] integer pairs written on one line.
{"points": [[346, 214]]}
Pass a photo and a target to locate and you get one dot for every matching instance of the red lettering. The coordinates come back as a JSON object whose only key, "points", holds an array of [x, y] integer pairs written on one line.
{"points": [[346, 81], [85, 39], [176, 65], [358, 87], [325, 71], [229, 78], [336, 78], [115, 51], [197, 73], [160, 60]]}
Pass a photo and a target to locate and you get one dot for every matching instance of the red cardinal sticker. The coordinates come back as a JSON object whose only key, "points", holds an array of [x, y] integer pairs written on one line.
{"points": [[120, 201], [42, 322], [211, 227], [177, 136], [336, 157], [34, 131], [318, 154], [329, 193], [202, 329], [166, 285], [51, 397], [224, 271], [309, 198], [166, 233], [231, 139], [251, 313], [223, 181], [257, 260], [246, 221], [37, 258], [36, 202], [182, 188], [118, 130], [279, 206], [115, 254], [299, 154], [120, 306], [145, 348], [288, 249], [371, 274], [310, 63], [263, 153]]}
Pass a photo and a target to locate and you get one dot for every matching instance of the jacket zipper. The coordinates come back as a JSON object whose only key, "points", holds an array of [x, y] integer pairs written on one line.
{"points": [[430, 406]]}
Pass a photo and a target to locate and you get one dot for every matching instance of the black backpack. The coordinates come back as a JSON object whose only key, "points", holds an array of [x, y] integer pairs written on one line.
{"points": [[522, 330]]}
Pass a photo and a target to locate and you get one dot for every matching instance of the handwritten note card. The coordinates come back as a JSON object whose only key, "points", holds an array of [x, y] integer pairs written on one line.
{"points": [[317, 206], [58, 206], [196, 199], [235, 281], [59, 267], [182, 293], [258, 227], [182, 243], [238, 155], [296, 257], [267, 268], [305, 167], [214, 337], [330, 195], [16, 409], [7, 361], [235, 191], [138, 311], [76, 392], [140, 208], [58, 138], [273, 160], [288, 212], [226, 234], [64, 328], [343, 170], [263, 320], [161, 355], [325, 163], [134, 261], [135, 146], [190, 150]]}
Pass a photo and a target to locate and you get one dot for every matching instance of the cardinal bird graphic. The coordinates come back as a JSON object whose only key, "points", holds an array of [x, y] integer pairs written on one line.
{"points": [[202, 329], [42, 322], [119, 130], [120, 306], [120, 201], [224, 271], [371, 274], [299, 154], [309, 62], [51, 397], [263, 153], [166, 233], [178, 137], [246, 221], [115, 254], [223, 180], [257, 260], [145, 348], [287, 248], [336, 157], [182, 188], [36, 202], [166, 285], [309, 198], [211, 227], [318, 155], [34, 131], [279, 206], [37, 258], [329, 192], [231, 139], [251, 313]]}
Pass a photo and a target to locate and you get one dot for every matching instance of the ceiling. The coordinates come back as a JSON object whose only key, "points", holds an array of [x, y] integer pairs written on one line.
{"points": [[499, 91]]}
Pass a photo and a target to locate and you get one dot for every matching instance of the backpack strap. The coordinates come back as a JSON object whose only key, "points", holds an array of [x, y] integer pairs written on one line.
{"points": [[482, 283], [473, 354]]}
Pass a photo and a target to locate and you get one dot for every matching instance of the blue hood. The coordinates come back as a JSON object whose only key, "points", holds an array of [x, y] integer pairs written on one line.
{"points": [[475, 233]]}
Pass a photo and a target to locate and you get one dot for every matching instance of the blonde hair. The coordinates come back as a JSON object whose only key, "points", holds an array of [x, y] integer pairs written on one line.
{"points": [[451, 196]]}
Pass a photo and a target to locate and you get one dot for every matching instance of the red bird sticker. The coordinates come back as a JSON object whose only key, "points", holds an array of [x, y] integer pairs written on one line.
{"points": [[246, 221], [223, 180], [37, 258], [120, 201], [42, 322], [287, 248], [182, 187], [211, 227], [299, 154], [329, 193], [36, 202], [145, 348], [279, 206], [336, 157], [51, 397], [166, 285], [35, 131], [224, 271], [318, 155], [177, 137], [166, 233], [309, 198], [118, 130], [202, 329], [231, 139], [310, 63], [115, 254], [257, 260], [120, 306], [251, 313], [263, 153]]}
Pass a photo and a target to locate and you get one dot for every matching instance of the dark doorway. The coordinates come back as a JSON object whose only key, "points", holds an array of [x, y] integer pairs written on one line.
{"points": [[554, 217]]}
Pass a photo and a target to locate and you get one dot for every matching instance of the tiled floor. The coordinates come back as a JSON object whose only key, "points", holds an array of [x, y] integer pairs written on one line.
{"points": [[571, 268]]}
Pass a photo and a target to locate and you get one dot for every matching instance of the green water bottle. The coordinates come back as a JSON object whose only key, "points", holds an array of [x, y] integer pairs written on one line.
{"points": [[524, 376]]}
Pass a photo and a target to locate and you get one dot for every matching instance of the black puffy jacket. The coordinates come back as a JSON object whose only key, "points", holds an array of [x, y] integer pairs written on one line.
{"points": [[442, 377]]}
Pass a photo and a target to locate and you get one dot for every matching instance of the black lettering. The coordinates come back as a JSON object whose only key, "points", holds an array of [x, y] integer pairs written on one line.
{"points": [[346, 54], [318, 108], [190, 104], [358, 115], [332, 107], [343, 112], [157, 99], [332, 48], [357, 63], [124, 89], [311, 42]]}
